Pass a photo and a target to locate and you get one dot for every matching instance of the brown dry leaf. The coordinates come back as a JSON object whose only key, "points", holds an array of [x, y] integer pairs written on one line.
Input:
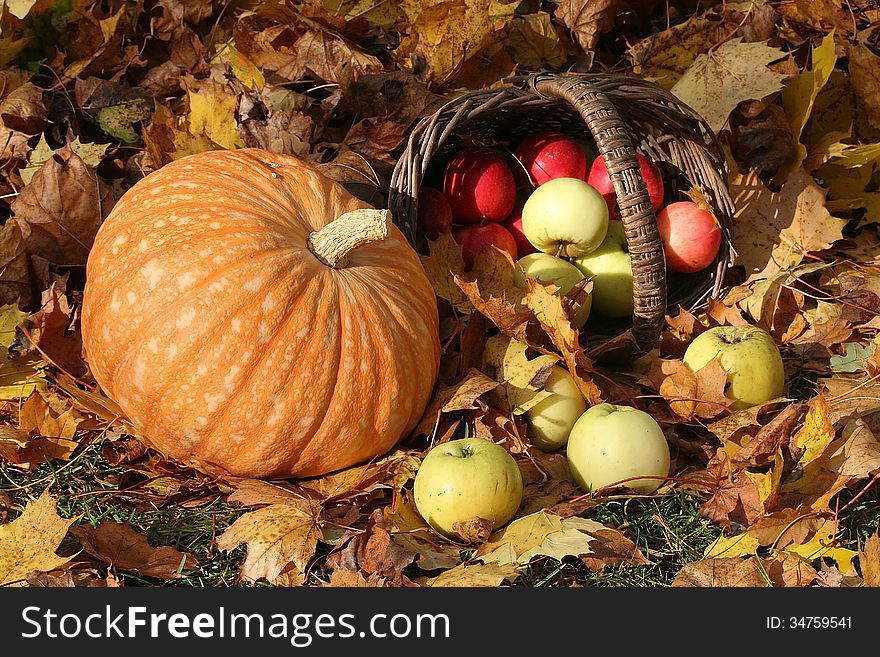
{"points": [[664, 57], [47, 416], [20, 450], [474, 385], [474, 575], [29, 542], [391, 471], [722, 572], [276, 536], [869, 560], [692, 394], [343, 577], [612, 548], [853, 456], [328, 57], [123, 451], [773, 436], [256, 492], [737, 499], [775, 231], [60, 211], [124, 548], [374, 552], [535, 42], [547, 308], [864, 73], [588, 20], [50, 331], [15, 284], [447, 33]]}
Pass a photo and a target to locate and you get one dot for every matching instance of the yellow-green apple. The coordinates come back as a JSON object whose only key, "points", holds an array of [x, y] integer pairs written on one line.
{"points": [[479, 185], [611, 442], [610, 269], [749, 355], [546, 155], [691, 236], [434, 214], [550, 421], [565, 217], [465, 479], [550, 269], [474, 238], [598, 177]]}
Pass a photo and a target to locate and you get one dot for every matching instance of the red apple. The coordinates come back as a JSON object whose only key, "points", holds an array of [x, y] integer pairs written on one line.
{"points": [[547, 155], [479, 185], [598, 177], [513, 223], [691, 236], [434, 212], [474, 238]]}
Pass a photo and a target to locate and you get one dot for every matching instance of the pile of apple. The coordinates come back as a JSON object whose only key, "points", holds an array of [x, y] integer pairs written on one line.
{"points": [[561, 223], [606, 445]]}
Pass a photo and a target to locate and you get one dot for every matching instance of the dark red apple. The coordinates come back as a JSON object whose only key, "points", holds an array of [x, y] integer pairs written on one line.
{"points": [[598, 177], [547, 155], [434, 213], [691, 236], [513, 223], [479, 185], [474, 238]]}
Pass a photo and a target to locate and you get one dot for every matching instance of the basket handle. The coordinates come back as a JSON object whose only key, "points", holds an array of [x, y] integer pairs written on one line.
{"points": [[619, 154]]}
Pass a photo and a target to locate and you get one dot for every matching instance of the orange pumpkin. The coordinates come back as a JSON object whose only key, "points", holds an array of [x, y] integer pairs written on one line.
{"points": [[250, 315]]}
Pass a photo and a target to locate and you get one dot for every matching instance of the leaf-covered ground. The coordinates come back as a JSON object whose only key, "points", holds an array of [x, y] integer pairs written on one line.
{"points": [[95, 95]]}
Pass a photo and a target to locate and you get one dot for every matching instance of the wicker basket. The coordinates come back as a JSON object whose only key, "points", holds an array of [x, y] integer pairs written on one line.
{"points": [[623, 115]]}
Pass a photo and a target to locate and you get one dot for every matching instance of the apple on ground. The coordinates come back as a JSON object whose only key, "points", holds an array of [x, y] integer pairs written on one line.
{"points": [[610, 269], [565, 217], [474, 238], [611, 442], [550, 269], [465, 479], [434, 214], [479, 185], [547, 155], [749, 355], [550, 420], [599, 178], [691, 236], [513, 223]]}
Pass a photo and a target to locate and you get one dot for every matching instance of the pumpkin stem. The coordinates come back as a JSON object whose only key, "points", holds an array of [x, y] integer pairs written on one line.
{"points": [[333, 243]]}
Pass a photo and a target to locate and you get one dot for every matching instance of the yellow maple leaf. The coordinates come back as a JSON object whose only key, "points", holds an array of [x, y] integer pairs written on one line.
{"points": [[29, 542], [278, 537], [721, 79]]}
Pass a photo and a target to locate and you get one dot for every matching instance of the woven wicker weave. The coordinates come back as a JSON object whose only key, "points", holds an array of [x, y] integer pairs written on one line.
{"points": [[623, 115]]}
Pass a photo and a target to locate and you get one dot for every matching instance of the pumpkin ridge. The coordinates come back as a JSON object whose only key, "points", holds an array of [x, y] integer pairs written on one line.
{"points": [[256, 361], [336, 349]]}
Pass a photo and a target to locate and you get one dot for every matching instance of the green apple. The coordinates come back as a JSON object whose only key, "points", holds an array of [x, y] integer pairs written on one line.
{"points": [[550, 421], [610, 269], [465, 479], [610, 443], [550, 269], [565, 217], [749, 355]]}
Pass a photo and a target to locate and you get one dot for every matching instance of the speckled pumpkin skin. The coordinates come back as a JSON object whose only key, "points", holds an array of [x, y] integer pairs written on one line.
{"points": [[230, 346]]}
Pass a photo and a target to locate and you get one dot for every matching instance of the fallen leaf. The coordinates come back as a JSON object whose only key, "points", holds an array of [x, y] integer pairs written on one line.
{"points": [[724, 77], [475, 575], [276, 536], [60, 211], [777, 230], [869, 560], [124, 548], [29, 542]]}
